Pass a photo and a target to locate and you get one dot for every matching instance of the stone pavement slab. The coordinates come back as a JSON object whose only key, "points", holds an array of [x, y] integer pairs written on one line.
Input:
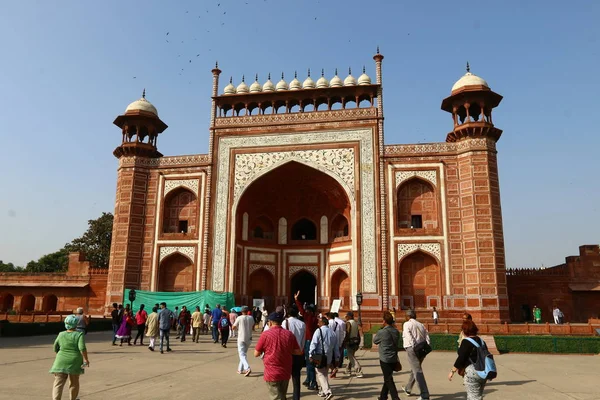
{"points": [[208, 371]]}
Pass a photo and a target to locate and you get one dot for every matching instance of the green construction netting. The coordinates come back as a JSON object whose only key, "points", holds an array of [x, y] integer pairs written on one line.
{"points": [[179, 299]]}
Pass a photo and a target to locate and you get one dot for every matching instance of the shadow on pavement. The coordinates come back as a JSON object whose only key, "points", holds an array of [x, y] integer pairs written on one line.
{"points": [[509, 383]]}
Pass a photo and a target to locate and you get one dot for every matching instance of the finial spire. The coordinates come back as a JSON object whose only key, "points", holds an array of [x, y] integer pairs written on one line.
{"points": [[243, 78], [256, 77], [295, 74], [282, 76], [364, 70], [349, 70], [377, 49], [309, 72], [322, 72], [468, 67], [144, 94], [216, 64], [336, 71], [231, 79], [269, 76]]}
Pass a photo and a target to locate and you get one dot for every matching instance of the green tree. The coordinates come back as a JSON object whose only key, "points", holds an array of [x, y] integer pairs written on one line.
{"points": [[53, 262], [95, 242], [10, 267]]}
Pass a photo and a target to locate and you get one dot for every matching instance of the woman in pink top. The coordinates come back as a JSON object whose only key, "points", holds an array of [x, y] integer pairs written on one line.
{"points": [[140, 320]]}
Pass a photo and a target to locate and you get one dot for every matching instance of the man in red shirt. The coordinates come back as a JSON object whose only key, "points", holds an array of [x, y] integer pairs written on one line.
{"points": [[312, 323], [278, 346]]}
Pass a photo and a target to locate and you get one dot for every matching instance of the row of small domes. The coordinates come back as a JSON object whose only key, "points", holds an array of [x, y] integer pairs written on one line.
{"points": [[295, 84]]}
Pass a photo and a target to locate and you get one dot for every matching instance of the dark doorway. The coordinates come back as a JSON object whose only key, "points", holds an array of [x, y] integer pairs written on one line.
{"points": [[306, 283]]}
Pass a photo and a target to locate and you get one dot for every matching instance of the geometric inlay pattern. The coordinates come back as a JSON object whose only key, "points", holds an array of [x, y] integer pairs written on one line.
{"points": [[403, 176], [313, 269], [366, 178], [191, 184], [343, 267], [189, 251], [254, 267], [407, 248], [338, 161]]}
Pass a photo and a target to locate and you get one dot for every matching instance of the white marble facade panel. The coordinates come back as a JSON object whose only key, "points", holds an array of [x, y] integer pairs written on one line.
{"points": [[337, 162]]}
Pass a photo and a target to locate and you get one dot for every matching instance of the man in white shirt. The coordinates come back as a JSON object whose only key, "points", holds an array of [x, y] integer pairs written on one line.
{"points": [[414, 332], [341, 335], [244, 324], [324, 342], [298, 328]]}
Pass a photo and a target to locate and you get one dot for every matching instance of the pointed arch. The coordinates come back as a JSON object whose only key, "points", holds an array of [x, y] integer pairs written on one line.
{"points": [[27, 303], [180, 211], [420, 281], [176, 273], [417, 204]]}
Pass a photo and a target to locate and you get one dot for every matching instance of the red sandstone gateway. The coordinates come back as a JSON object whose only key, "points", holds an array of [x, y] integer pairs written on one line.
{"points": [[299, 191]]}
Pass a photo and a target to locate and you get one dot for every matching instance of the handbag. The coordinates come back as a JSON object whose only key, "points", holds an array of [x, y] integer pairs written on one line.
{"points": [[422, 348], [397, 365], [319, 360]]}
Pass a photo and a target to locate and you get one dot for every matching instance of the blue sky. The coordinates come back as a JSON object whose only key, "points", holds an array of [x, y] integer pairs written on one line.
{"points": [[69, 68]]}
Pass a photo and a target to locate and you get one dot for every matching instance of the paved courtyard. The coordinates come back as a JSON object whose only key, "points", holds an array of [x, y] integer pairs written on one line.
{"points": [[207, 371]]}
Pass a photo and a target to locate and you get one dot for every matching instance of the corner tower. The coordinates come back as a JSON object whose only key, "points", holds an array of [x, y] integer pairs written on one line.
{"points": [[132, 236], [474, 216]]}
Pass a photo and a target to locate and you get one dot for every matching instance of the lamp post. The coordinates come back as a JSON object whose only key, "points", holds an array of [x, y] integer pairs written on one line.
{"points": [[359, 300], [131, 298]]}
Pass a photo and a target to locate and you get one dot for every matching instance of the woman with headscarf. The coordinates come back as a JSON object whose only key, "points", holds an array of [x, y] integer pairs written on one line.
{"points": [[124, 332], [71, 357]]}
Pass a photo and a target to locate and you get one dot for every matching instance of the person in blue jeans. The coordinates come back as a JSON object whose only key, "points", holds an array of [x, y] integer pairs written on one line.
{"points": [[216, 317], [165, 321]]}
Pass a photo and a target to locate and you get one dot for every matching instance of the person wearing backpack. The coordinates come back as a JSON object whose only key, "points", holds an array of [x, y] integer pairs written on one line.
{"points": [[224, 325], [474, 362]]}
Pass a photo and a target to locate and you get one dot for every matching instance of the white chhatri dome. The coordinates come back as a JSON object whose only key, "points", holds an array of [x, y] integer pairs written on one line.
{"points": [[282, 84], [364, 79], [322, 82], [350, 80], [308, 82], [268, 86], [336, 81], [255, 87], [142, 105], [242, 87], [469, 79], [229, 89], [295, 83]]}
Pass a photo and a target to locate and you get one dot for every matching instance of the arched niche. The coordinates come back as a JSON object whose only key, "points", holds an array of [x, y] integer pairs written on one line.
{"points": [[262, 228], [304, 229], [49, 303], [27, 303], [176, 274], [180, 212], [340, 229], [420, 281], [417, 205], [7, 302]]}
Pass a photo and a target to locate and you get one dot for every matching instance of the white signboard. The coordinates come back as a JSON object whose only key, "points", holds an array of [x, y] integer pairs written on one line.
{"points": [[260, 303], [335, 306]]}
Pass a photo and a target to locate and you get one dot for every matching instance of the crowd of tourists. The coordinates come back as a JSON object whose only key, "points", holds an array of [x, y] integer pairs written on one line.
{"points": [[291, 338]]}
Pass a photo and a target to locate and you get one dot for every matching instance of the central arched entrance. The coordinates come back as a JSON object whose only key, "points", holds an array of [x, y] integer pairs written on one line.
{"points": [[305, 283], [283, 223]]}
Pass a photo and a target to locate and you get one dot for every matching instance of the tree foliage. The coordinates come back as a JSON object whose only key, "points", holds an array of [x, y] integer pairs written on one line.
{"points": [[95, 242], [53, 262], [10, 267]]}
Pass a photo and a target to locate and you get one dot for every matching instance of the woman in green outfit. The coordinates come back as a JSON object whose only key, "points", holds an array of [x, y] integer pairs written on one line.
{"points": [[71, 357]]}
